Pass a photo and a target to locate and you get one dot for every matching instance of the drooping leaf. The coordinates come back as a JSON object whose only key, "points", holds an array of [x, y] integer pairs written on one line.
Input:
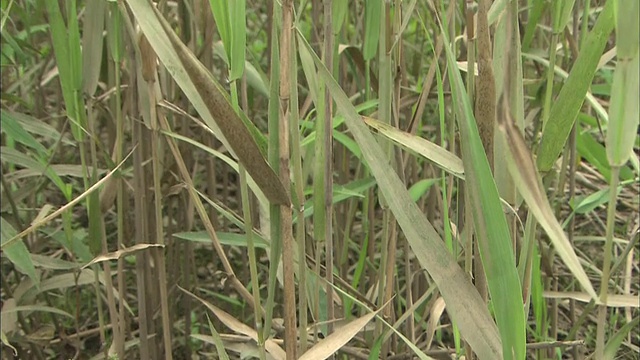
{"points": [[332, 343]]}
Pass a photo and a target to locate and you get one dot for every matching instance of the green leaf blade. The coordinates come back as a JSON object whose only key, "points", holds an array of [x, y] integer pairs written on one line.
{"points": [[17, 252], [567, 106]]}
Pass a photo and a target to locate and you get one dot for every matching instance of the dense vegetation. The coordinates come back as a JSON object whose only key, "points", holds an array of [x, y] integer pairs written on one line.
{"points": [[179, 176]]}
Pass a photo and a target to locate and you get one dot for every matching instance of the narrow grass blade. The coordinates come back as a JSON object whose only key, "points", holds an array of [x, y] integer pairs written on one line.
{"points": [[534, 15], [5, 342], [375, 350], [611, 349], [274, 349], [567, 105], [17, 253], [61, 50], [27, 291], [230, 17], [339, 11], [332, 343], [624, 108], [16, 157], [64, 208], [527, 179], [372, 28], [589, 98], [441, 157], [237, 25], [612, 300], [226, 238], [75, 49], [496, 10], [593, 151], [217, 341], [417, 190], [120, 253], [508, 66], [13, 129], [36, 127], [92, 41], [220, 10], [41, 308], [227, 160], [51, 263], [494, 240], [463, 301]]}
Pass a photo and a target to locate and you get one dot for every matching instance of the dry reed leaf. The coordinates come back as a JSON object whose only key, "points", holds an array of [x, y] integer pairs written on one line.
{"points": [[120, 253], [612, 300], [444, 159], [527, 179], [332, 343], [232, 323], [434, 317]]}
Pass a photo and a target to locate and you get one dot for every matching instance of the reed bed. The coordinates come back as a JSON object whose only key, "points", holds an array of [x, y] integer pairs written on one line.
{"points": [[320, 179]]}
